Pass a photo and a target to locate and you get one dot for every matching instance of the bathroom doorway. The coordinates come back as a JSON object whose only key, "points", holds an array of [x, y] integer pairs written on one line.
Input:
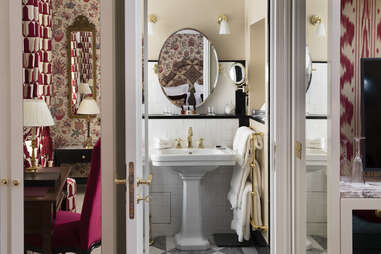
{"points": [[199, 83]]}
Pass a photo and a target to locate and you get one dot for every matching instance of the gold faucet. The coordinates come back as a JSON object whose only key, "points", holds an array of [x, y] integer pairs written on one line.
{"points": [[190, 134]]}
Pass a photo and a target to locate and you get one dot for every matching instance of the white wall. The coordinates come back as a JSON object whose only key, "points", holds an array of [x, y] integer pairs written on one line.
{"points": [[223, 94], [201, 15], [166, 189]]}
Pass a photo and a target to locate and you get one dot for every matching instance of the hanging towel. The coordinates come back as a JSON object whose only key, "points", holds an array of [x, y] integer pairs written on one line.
{"points": [[241, 216], [257, 195], [241, 147]]}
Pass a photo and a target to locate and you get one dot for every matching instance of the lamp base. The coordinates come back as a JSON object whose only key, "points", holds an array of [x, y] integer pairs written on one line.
{"points": [[88, 143], [32, 169]]}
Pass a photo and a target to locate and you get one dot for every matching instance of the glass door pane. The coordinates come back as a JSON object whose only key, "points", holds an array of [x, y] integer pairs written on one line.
{"points": [[316, 126]]}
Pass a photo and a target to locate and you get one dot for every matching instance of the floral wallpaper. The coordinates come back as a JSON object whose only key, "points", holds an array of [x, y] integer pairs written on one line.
{"points": [[68, 131], [181, 60], [360, 37]]}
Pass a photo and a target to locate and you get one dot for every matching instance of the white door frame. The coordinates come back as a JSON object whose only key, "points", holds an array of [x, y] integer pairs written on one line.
{"points": [[11, 132], [133, 114], [280, 126], [298, 130], [333, 141], [108, 116]]}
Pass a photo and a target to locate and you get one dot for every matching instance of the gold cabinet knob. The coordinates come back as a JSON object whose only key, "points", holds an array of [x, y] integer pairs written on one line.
{"points": [[147, 181], [16, 182], [83, 157], [4, 181]]}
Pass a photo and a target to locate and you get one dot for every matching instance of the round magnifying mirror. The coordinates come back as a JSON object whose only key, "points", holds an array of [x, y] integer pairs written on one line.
{"points": [[188, 68], [237, 73]]}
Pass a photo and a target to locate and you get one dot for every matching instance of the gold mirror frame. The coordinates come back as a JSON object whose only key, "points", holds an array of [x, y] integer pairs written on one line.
{"points": [[80, 24]]}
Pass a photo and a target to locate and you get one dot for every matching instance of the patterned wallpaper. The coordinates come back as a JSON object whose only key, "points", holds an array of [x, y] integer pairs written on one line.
{"points": [[360, 37], [180, 53], [67, 131]]}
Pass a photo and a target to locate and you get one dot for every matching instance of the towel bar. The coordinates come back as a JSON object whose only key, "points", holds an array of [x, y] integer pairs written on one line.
{"points": [[253, 167]]}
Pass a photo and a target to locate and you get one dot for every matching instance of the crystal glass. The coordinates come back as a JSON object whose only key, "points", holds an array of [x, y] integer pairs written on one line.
{"points": [[345, 164], [357, 166]]}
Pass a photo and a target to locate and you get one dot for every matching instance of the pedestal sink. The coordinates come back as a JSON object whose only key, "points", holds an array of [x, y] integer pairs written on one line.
{"points": [[192, 165]]}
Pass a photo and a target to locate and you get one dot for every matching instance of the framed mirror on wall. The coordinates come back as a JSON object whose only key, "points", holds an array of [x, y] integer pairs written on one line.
{"points": [[188, 68], [81, 63]]}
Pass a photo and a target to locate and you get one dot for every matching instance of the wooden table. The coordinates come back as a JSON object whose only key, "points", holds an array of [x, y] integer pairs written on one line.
{"points": [[41, 204]]}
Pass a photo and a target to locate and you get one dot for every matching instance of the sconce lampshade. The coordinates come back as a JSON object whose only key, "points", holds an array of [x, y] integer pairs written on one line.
{"points": [[224, 25], [152, 19], [37, 113], [320, 30], [88, 106], [84, 88]]}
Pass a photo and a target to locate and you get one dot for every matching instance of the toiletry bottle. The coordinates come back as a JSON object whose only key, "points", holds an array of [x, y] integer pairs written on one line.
{"points": [[194, 110], [182, 110]]}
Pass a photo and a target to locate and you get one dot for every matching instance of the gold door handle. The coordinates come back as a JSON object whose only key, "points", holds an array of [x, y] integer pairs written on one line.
{"points": [[147, 181], [146, 198], [16, 182], [4, 181], [120, 181]]}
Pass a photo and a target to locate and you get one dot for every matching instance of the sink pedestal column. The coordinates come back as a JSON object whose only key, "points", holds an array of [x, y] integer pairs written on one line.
{"points": [[191, 236]]}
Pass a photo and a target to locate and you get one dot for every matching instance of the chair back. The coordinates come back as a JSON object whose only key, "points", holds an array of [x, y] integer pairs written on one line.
{"points": [[91, 216]]}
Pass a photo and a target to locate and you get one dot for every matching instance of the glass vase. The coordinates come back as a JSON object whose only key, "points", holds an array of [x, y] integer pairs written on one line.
{"points": [[357, 165]]}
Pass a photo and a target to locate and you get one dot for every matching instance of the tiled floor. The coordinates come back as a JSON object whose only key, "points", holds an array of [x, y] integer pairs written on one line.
{"points": [[166, 245], [319, 245]]}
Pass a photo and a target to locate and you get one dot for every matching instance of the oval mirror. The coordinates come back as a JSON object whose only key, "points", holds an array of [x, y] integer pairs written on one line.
{"points": [[188, 68], [237, 73]]}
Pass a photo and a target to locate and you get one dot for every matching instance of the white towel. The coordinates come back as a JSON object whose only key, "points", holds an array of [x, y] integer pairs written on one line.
{"points": [[241, 147], [160, 143], [241, 216]]}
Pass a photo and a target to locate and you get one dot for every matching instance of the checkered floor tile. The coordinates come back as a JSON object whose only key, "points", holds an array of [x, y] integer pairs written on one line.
{"points": [[166, 245]]}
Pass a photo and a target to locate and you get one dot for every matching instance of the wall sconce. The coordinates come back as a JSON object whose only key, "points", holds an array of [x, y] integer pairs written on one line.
{"points": [[317, 21], [152, 20], [224, 25]]}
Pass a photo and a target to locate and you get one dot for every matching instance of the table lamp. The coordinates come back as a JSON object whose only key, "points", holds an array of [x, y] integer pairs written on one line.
{"points": [[84, 89], [36, 114], [88, 107]]}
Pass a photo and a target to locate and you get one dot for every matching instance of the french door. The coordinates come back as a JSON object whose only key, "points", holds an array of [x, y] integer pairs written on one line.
{"points": [[136, 129]]}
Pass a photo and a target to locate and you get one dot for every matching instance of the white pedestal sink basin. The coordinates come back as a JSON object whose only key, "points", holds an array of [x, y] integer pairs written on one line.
{"points": [[192, 165]]}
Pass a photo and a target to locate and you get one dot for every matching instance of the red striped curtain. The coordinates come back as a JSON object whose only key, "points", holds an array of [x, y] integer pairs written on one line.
{"points": [[37, 55]]}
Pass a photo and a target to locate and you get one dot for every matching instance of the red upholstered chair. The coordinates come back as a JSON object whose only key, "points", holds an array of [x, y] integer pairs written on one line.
{"points": [[74, 232]]}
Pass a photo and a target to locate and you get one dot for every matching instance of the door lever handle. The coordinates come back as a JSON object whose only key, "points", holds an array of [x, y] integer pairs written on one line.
{"points": [[146, 198], [120, 181], [147, 181]]}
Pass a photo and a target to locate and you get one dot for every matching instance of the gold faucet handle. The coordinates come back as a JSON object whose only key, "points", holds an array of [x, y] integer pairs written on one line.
{"points": [[178, 142], [201, 143]]}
